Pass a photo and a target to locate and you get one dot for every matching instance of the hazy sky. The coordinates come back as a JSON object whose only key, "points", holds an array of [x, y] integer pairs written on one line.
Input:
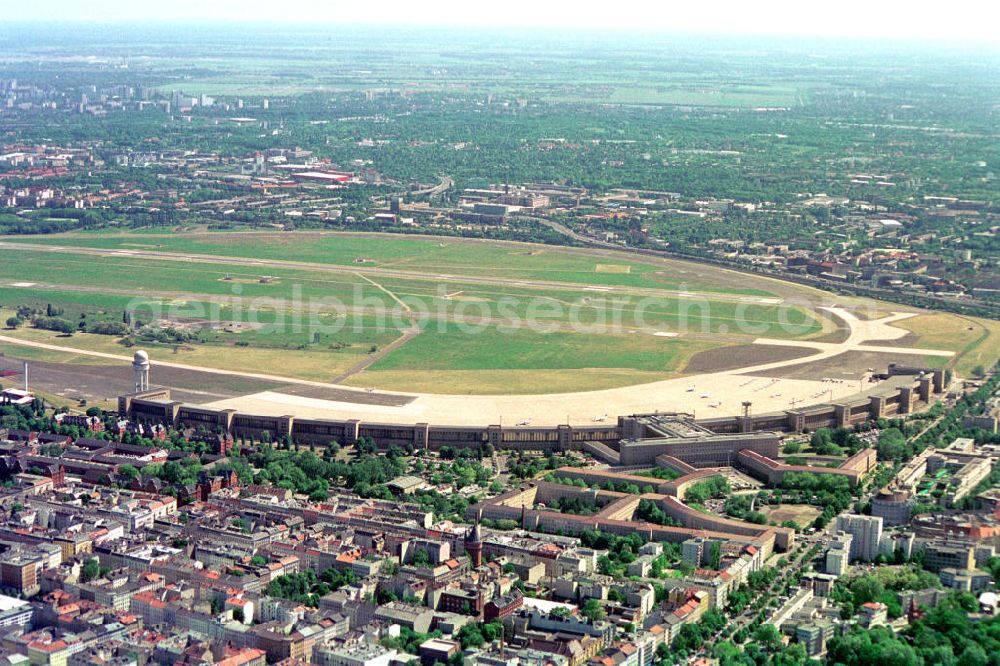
{"points": [[976, 20]]}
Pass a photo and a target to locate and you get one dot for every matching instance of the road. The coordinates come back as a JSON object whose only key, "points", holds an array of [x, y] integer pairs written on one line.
{"points": [[446, 183], [796, 564]]}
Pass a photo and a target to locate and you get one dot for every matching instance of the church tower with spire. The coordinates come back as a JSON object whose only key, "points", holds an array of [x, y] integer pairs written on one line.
{"points": [[474, 543]]}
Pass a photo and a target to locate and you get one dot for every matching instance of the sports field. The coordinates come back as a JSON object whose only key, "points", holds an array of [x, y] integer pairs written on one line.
{"points": [[802, 514], [447, 316]]}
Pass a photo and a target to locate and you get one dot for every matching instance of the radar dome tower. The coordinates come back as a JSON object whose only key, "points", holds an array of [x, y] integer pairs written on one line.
{"points": [[140, 371]]}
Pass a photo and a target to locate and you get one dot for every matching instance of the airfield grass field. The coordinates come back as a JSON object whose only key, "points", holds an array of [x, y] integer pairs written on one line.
{"points": [[526, 350], [978, 338], [520, 361], [520, 261], [301, 364], [470, 292], [434, 315], [23, 353]]}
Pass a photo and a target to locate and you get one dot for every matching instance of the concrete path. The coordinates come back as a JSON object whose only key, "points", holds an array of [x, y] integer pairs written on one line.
{"points": [[861, 331]]}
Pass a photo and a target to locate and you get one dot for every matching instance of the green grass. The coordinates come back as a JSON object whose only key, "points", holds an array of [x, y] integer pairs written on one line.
{"points": [[183, 289], [270, 329], [976, 341], [450, 256], [526, 362], [494, 349], [130, 275], [34, 354], [315, 363]]}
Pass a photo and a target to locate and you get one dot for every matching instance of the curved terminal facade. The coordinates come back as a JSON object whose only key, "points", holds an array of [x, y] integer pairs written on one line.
{"points": [[632, 440]]}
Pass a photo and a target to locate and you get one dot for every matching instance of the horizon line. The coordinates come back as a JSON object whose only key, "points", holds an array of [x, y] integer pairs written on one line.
{"points": [[675, 32]]}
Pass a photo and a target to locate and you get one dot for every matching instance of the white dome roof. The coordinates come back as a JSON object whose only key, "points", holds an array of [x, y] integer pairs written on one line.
{"points": [[140, 357]]}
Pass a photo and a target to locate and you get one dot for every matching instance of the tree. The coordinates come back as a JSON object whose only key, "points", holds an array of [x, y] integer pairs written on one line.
{"points": [[874, 646], [714, 555], [471, 636], [56, 324], [129, 472], [792, 655], [91, 569], [593, 610], [866, 589], [605, 565], [690, 637], [726, 652], [14, 322], [973, 655], [768, 636], [820, 438], [475, 635], [892, 445], [421, 558], [717, 486]]}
